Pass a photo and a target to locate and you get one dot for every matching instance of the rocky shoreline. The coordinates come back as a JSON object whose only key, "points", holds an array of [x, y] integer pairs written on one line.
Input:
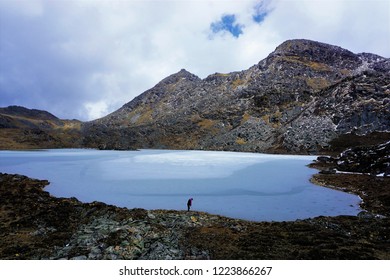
{"points": [[35, 225]]}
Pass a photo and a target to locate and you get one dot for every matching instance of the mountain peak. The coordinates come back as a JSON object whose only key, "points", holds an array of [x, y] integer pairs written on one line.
{"points": [[304, 45], [183, 74], [308, 50]]}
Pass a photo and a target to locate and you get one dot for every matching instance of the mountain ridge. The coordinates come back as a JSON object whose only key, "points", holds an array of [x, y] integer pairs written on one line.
{"points": [[304, 97], [23, 128], [20, 111], [261, 109]]}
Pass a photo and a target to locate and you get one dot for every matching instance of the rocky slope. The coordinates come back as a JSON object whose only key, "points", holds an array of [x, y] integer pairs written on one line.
{"points": [[22, 128], [304, 97]]}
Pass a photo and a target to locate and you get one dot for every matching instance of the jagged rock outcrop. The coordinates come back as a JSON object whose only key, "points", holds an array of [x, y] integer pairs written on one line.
{"points": [[299, 99], [373, 160]]}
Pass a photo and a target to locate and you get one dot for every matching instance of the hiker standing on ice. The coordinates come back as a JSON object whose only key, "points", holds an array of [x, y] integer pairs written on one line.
{"points": [[189, 204]]}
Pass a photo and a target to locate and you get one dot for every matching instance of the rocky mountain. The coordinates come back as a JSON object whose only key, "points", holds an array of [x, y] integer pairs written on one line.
{"points": [[304, 97], [22, 128]]}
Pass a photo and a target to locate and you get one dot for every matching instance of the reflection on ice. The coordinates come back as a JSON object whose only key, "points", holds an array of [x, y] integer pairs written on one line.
{"points": [[241, 185]]}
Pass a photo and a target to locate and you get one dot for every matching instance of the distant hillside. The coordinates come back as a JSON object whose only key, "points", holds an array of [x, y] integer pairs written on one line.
{"points": [[22, 112], [22, 128], [305, 97]]}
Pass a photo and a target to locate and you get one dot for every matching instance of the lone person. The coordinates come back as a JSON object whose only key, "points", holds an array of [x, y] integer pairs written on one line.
{"points": [[189, 204]]}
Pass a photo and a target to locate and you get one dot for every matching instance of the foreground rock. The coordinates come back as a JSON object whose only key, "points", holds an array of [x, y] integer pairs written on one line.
{"points": [[35, 225], [371, 159]]}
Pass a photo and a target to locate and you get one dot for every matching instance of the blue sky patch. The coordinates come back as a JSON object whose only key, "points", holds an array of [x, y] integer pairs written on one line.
{"points": [[227, 23], [259, 16], [260, 11]]}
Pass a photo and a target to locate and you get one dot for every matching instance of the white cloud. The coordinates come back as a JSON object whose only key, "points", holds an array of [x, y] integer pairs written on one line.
{"points": [[87, 58], [96, 109]]}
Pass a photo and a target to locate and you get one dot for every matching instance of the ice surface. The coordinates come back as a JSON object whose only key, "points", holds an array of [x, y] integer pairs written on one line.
{"points": [[241, 185]]}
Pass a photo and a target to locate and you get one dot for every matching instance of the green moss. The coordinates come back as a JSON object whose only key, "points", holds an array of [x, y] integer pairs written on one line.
{"points": [[240, 141], [317, 83], [237, 82]]}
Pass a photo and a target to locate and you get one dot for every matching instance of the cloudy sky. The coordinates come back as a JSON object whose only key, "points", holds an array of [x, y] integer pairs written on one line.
{"points": [[84, 59]]}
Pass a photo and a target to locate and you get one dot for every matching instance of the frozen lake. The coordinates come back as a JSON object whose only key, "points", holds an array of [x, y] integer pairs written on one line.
{"points": [[249, 186]]}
